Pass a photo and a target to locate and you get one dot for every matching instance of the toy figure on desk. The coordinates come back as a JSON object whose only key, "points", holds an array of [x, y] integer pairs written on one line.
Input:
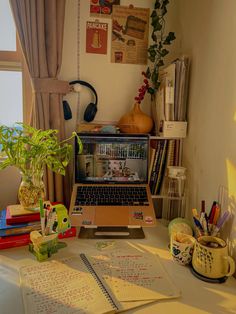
{"points": [[54, 220]]}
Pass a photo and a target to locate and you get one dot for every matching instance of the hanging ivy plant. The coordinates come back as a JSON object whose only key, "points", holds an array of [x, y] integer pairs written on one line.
{"points": [[159, 49]]}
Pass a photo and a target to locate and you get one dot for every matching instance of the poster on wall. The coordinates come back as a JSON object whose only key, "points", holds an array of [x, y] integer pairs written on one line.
{"points": [[102, 7], [129, 35], [96, 37]]}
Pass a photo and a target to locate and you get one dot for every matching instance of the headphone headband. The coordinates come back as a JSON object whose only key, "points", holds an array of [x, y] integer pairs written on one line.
{"points": [[87, 85], [91, 109]]}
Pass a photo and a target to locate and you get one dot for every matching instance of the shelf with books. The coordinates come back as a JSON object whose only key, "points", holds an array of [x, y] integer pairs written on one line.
{"points": [[165, 152]]}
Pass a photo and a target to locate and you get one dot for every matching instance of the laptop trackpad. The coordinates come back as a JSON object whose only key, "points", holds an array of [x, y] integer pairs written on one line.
{"points": [[111, 216]]}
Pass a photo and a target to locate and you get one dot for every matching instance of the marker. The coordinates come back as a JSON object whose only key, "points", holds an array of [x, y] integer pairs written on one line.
{"points": [[220, 223], [203, 207], [211, 215], [199, 226], [205, 224], [212, 208], [216, 215], [195, 213]]}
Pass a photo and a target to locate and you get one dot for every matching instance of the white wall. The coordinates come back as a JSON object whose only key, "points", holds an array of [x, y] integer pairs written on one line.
{"points": [[116, 84], [208, 29]]}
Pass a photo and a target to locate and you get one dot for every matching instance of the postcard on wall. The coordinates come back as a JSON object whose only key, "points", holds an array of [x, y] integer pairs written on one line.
{"points": [[102, 8], [129, 35], [96, 37]]}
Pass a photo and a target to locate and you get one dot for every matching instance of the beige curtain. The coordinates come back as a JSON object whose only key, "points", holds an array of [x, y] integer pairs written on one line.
{"points": [[40, 25]]}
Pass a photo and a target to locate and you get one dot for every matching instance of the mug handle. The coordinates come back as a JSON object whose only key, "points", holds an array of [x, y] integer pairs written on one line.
{"points": [[231, 265]]}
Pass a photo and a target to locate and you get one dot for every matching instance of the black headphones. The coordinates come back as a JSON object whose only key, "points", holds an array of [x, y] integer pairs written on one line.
{"points": [[91, 110]]}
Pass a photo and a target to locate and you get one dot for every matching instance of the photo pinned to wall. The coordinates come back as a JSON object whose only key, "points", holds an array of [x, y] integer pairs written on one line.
{"points": [[102, 8], [129, 35], [96, 37]]}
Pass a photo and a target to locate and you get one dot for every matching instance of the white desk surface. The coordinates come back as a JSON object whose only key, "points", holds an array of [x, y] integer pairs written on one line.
{"points": [[198, 297]]}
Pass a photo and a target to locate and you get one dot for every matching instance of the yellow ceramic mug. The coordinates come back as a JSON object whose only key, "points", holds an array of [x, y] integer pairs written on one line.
{"points": [[211, 259]]}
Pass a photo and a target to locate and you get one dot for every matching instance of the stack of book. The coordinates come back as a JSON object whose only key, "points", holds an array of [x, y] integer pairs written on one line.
{"points": [[15, 226], [16, 223]]}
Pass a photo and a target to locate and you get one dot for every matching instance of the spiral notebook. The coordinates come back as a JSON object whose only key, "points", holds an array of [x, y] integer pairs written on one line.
{"points": [[95, 284]]}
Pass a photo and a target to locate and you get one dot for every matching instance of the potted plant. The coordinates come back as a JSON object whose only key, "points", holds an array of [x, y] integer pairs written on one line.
{"points": [[30, 150]]}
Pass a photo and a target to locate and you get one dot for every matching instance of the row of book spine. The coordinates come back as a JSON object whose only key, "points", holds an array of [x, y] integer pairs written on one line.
{"points": [[164, 154]]}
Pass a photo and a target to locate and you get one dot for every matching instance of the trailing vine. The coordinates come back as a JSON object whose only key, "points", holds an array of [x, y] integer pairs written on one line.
{"points": [[158, 50]]}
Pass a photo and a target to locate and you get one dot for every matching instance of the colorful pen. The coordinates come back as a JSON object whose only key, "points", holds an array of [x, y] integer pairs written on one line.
{"points": [[216, 215], [220, 223], [211, 216], [195, 213], [199, 226]]}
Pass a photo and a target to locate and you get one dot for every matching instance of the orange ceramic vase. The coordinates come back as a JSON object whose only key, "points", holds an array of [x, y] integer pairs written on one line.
{"points": [[135, 121]]}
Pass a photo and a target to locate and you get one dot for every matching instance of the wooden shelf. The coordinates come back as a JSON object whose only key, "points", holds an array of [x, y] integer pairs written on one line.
{"points": [[168, 197], [155, 137]]}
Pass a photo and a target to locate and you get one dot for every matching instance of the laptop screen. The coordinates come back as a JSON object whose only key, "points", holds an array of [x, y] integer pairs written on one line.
{"points": [[112, 158]]}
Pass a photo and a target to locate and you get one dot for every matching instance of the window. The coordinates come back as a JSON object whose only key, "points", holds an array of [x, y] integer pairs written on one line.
{"points": [[12, 76]]}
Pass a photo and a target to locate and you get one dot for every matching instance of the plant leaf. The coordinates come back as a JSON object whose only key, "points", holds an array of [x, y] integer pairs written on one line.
{"points": [[157, 4], [169, 38], [164, 52]]}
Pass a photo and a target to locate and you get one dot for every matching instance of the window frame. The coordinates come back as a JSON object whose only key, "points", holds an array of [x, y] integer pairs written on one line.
{"points": [[14, 61]]}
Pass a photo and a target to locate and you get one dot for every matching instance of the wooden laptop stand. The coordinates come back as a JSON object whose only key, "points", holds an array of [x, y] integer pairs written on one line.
{"points": [[111, 233]]}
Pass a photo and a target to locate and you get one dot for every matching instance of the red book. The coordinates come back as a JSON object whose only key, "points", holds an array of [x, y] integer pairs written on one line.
{"points": [[14, 241], [11, 220], [24, 239]]}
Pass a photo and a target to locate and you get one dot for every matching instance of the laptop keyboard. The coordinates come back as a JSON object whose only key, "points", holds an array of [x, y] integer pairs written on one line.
{"points": [[111, 196]]}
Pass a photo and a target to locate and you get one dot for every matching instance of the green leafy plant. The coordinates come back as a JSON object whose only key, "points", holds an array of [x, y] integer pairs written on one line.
{"points": [[159, 49], [30, 149]]}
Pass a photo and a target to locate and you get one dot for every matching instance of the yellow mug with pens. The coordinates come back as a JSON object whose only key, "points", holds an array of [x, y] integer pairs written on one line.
{"points": [[210, 258]]}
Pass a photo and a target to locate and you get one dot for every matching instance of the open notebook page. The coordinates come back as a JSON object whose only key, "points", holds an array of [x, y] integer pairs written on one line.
{"points": [[61, 287], [101, 265], [134, 276]]}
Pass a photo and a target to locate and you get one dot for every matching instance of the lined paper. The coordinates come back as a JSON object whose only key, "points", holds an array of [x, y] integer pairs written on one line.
{"points": [[62, 287]]}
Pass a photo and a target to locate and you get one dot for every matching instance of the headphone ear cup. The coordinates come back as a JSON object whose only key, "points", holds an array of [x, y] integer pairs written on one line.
{"points": [[90, 112]]}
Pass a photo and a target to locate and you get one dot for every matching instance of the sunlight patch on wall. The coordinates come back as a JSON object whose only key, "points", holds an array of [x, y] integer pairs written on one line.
{"points": [[231, 171], [235, 116]]}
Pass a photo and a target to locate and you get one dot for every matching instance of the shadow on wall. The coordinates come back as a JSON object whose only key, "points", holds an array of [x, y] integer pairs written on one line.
{"points": [[10, 181]]}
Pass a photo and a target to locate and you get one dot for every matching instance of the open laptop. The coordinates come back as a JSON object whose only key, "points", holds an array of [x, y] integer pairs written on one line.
{"points": [[111, 185]]}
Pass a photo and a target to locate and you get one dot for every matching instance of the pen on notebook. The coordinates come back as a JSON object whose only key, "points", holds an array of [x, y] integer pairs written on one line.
{"points": [[220, 223], [42, 216]]}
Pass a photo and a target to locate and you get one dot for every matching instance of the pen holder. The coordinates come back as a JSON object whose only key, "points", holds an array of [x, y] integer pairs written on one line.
{"points": [[211, 258], [181, 247], [44, 246]]}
